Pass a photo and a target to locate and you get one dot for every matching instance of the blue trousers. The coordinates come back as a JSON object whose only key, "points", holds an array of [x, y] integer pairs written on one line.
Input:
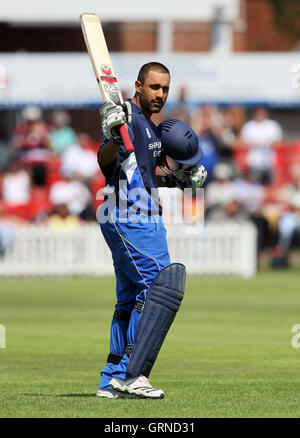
{"points": [[139, 252]]}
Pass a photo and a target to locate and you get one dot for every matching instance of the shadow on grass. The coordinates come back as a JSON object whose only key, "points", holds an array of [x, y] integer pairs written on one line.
{"points": [[61, 395], [77, 395]]}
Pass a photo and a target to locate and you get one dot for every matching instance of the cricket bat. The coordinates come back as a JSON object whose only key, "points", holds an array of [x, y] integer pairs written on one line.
{"points": [[103, 69]]}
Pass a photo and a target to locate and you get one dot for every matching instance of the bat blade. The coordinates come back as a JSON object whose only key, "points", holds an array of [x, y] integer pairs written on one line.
{"points": [[102, 65]]}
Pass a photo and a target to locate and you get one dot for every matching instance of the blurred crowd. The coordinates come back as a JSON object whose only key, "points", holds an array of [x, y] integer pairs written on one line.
{"points": [[49, 173], [253, 174]]}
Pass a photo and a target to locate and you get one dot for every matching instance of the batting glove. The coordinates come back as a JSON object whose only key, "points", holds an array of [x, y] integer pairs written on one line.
{"points": [[112, 116], [198, 176], [189, 177]]}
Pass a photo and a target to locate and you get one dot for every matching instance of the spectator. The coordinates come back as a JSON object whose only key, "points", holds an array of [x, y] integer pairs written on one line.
{"points": [[220, 196], [32, 133], [227, 133], [19, 197], [181, 112], [208, 143], [79, 162], [251, 195], [87, 143], [260, 135], [16, 185], [289, 221], [216, 136], [75, 195], [62, 135], [31, 142], [62, 218]]}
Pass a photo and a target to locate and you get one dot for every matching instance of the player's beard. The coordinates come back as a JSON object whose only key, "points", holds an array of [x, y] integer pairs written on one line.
{"points": [[157, 105], [150, 107]]}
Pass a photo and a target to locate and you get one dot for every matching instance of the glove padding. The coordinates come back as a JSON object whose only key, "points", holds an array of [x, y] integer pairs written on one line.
{"points": [[112, 116], [189, 177]]}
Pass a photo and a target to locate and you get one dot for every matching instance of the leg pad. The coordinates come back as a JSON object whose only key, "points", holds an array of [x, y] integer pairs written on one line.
{"points": [[162, 303]]}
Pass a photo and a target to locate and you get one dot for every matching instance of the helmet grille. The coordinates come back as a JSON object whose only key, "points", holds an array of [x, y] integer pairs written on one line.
{"points": [[168, 125], [188, 134]]}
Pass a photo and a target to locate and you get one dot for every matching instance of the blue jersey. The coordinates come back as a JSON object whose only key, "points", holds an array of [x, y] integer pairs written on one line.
{"points": [[131, 176]]}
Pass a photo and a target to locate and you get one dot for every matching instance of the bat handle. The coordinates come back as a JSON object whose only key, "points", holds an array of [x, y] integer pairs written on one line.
{"points": [[126, 139]]}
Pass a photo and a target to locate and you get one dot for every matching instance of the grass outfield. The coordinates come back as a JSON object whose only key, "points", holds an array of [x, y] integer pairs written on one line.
{"points": [[228, 354]]}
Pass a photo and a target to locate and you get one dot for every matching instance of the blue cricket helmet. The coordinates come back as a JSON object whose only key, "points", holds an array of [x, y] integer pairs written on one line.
{"points": [[180, 142]]}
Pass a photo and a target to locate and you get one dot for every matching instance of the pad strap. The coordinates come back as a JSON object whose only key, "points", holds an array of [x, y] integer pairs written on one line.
{"points": [[139, 306], [128, 349], [114, 358], [122, 315]]}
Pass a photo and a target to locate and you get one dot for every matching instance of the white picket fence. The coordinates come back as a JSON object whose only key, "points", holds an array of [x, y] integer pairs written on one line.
{"points": [[225, 249]]}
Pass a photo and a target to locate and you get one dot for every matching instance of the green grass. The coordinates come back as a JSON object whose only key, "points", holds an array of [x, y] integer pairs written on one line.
{"points": [[228, 353]]}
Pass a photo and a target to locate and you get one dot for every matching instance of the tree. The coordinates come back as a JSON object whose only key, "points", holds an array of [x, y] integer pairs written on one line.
{"points": [[287, 16]]}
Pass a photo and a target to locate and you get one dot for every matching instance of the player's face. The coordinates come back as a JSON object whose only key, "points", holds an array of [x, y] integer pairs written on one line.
{"points": [[154, 92]]}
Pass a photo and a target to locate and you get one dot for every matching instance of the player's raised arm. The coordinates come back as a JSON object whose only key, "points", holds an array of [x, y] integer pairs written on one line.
{"points": [[112, 117], [108, 153]]}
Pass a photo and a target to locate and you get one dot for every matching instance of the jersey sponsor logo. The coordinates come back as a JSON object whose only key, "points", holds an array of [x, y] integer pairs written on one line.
{"points": [[156, 148], [154, 145]]}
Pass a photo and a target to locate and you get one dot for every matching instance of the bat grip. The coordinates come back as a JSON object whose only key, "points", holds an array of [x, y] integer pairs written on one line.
{"points": [[126, 139]]}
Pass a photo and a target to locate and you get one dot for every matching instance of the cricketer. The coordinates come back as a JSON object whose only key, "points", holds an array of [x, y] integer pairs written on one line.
{"points": [[149, 288]]}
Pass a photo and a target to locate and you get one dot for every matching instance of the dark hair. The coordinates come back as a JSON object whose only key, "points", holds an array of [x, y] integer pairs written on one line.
{"points": [[154, 66]]}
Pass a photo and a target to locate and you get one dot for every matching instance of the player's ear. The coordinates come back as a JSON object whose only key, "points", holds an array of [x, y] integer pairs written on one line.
{"points": [[138, 86]]}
